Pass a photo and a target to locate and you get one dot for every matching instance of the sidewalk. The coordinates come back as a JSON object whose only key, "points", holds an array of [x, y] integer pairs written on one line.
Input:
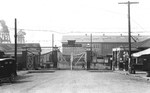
{"points": [[141, 74], [23, 72]]}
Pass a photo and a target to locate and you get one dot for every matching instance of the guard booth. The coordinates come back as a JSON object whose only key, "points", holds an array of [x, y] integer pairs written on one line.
{"points": [[121, 59], [117, 59]]}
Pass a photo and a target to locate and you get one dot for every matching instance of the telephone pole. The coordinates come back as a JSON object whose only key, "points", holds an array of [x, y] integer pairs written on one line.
{"points": [[52, 41], [16, 42], [129, 33], [91, 49]]}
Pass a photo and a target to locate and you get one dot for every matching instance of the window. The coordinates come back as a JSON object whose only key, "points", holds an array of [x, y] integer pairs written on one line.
{"points": [[71, 43], [10, 62], [6, 62]]}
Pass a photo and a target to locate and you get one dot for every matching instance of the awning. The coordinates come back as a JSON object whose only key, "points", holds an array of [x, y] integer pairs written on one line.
{"points": [[144, 52]]}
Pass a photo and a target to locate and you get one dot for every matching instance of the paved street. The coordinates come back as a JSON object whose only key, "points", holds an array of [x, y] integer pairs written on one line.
{"points": [[77, 81]]}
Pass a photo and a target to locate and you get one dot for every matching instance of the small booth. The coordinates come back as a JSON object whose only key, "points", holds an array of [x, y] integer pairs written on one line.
{"points": [[118, 58]]}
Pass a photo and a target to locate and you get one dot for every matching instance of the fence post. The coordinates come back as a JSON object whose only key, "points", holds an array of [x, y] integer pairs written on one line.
{"points": [[54, 58], [88, 58], [24, 59]]}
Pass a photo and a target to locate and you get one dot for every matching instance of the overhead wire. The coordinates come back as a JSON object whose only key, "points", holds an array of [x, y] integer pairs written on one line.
{"points": [[69, 32], [144, 31]]}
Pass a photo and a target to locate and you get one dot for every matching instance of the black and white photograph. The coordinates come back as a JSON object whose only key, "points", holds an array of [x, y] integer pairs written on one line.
{"points": [[74, 46]]}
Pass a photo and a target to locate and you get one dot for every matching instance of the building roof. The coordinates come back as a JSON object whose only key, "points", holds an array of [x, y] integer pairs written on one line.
{"points": [[100, 38], [144, 52], [11, 47], [142, 44]]}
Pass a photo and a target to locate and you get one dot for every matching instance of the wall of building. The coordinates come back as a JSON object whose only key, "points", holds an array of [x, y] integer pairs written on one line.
{"points": [[98, 48], [74, 50], [107, 47]]}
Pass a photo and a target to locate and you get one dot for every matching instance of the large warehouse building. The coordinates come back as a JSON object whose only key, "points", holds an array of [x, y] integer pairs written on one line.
{"points": [[102, 45]]}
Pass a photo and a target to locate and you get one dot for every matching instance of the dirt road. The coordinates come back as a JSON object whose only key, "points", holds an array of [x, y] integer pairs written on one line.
{"points": [[81, 81]]}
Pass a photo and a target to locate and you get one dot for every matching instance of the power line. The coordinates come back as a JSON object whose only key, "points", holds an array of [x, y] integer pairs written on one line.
{"points": [[138, 24], [36, 30], [39, 30], [68, 32]]}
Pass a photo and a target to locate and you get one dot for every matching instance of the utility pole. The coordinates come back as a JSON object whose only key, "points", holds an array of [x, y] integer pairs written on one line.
{"points": [[129, 32], [52, 41], [91, 49], [16, 42]]}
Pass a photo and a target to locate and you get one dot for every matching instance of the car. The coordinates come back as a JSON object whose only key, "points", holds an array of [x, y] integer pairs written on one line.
{"points": [[8, 69]]}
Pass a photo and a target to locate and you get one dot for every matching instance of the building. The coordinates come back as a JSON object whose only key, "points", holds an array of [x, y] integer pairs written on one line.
{"points": [[102, 45], [28, 55], [120, 55]]}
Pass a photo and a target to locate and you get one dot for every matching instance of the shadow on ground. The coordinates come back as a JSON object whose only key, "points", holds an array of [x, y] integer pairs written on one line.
{"points": [[18, 79], [100, 70]]}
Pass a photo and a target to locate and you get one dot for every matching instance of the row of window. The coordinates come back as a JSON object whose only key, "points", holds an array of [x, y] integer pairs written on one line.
{"points": [[72, 45], [80, 45], [7, 62], [96, 45]]}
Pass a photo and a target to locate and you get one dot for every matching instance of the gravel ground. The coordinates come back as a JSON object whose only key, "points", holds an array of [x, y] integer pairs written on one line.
{"points": [[77, 81]]}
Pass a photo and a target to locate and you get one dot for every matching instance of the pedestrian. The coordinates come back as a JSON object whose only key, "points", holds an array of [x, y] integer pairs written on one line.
{"points": [[83, 65]]}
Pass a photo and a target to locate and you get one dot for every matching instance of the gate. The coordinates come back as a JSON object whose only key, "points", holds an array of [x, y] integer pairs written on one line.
{"points": [[95, 62], [30, 61], [84, 61], [72, 62], [63, 61], [49, 59], [78, 61], [101, 62]]}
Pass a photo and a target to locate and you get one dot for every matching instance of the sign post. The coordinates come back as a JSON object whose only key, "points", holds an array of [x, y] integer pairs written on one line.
{"points": [[71, 61]]}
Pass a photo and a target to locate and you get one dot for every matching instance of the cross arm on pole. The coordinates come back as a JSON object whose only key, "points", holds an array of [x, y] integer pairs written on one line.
{"points": [[128, 2]]}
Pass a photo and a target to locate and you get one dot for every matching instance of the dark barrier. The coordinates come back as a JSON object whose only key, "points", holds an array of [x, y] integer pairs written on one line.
{"points": [[89, 59], [54, 58]]}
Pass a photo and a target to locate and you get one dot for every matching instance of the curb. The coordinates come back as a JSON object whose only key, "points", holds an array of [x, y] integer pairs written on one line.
{"points": [[22, 72], [100, 70], [134, 75], [41, 71]]}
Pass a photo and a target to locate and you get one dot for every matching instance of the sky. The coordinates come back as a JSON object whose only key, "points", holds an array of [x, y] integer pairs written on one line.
{"points": [[42, 18]]}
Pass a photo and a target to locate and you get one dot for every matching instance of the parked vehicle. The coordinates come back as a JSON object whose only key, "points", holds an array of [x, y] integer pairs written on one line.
{"points": [[8, 69]]}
